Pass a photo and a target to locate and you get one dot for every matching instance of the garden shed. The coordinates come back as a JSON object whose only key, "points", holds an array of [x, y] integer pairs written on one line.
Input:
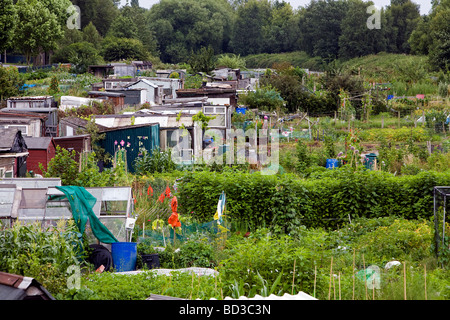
{"points": [[13, 153], [41, 150], [79, 143], [131, 139]]}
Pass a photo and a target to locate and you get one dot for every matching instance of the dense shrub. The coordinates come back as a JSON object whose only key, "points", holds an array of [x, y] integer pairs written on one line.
{"points": [[328, 200]]}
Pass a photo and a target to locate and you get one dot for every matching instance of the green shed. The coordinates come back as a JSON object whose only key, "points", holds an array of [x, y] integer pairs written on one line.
{"points": [[132, 139]]}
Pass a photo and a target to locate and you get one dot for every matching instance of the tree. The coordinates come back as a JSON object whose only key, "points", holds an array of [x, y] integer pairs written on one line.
{"points": [[203, 60], [265, 98], [320, 27], [440, 34], [91, 35], [38, 29], [252, 18], [8, 19], [123, 27], [183, 26], [144, 33], [432, 36], [115, 49], [10, 82], [356, 39], [80, 54], [282, 33], [402, 16], [420, 40], [100, 12]]}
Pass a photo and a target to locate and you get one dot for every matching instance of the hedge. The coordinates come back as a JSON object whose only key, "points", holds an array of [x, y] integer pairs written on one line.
{"points": [[285, 202]]}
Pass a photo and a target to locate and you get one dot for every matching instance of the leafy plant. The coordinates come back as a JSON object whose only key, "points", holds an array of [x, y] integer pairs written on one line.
{"points": [[43, 254], [154, 161]]}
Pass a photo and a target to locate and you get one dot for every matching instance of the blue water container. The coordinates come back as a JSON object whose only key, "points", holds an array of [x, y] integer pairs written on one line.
{"points": [[332, 163], [124, 256]]}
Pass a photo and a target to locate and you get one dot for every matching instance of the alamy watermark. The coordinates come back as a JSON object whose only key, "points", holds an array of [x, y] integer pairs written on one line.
{"points": [[374, 21], [74, 21]]}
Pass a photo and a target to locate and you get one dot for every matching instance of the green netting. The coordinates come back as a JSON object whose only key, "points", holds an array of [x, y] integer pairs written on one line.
{"points": [[81, 203]]}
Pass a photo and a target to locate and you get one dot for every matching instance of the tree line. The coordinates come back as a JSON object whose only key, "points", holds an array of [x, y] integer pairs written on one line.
{"points": [[172, 30]]}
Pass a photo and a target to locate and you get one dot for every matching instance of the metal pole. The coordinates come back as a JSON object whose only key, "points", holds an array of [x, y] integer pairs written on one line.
{"points": [[443, 221], [436, 232]]}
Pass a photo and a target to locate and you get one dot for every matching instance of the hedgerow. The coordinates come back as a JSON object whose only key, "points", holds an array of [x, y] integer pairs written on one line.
{"points": [[325, 201]]}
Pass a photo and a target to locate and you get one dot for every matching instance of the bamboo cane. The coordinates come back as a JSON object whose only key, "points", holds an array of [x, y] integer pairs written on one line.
{"points": [[353, 296], [365, 276], [293, 278], [373, 288], [425, 277], [331, 274], [339, 280], [315, 278], [404, 280]]}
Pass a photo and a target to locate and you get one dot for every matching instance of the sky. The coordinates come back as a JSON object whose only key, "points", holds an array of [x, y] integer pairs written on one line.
{"points": [[425, 5]]}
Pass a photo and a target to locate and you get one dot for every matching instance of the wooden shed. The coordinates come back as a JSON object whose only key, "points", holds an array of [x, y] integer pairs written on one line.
{"points": [[132, 139], [13, 153], [79, 143], [41, 150]]}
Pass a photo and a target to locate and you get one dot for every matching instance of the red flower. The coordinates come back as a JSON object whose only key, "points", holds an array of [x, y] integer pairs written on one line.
{"points": [[161, 198], [168, 192], [174, 204], [150, 191], [174, 221]]}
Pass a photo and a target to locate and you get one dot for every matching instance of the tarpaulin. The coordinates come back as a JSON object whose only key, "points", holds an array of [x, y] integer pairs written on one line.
{"points": [[81, 203]]}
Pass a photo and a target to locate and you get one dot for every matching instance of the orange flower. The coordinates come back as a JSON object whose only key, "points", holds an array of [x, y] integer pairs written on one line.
{"points": [[168, 192], [150, 191], [174, 221], [161, 198], [174, 204]]}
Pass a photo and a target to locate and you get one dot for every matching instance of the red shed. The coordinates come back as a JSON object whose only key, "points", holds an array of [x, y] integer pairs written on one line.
{"points": [[41, 150]]}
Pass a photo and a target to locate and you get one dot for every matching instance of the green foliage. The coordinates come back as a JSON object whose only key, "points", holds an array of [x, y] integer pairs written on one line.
{"points": [[203, 60], [231, 61], [81, 54], [401, 240], [109, 286], [266, 98], [10, 82], [39, 28], [183, 26], [265, 264], [204, 120], [303, 156], [8, 20], [63, 166], [116, 49], [154, 161], [193, 82], [329, 200], [54, 86], [44, 255]]}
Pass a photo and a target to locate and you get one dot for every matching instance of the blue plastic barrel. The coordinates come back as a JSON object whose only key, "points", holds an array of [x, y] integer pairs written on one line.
{"points": [[124, 256], [332, 163]]}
